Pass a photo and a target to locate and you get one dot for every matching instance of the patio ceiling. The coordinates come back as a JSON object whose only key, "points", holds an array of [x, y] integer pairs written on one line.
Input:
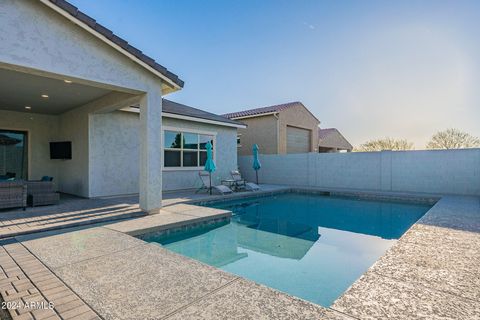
{"points": [[23, 92]]}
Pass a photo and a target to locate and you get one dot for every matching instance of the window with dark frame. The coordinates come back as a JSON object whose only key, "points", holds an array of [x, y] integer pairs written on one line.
{"points": [[184, 149]]}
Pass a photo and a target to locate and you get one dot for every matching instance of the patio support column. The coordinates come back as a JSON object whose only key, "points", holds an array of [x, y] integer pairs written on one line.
{"points": [[151, 152]]}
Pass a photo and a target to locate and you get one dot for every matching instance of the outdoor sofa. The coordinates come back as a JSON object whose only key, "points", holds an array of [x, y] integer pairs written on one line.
{"points": [[41, 193], [13, 194]]}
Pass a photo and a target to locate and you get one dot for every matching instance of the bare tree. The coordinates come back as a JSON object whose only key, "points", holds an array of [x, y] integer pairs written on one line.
{"points": [[385, 144], [452, 139]]}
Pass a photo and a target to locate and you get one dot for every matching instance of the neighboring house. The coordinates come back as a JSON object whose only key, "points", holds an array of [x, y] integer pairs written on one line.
{"points": [[331, 140], [64, 77], [279, 129]]}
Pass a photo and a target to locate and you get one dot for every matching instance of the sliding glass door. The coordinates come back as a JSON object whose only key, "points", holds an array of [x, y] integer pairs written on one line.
{"points": [[13, 155]]}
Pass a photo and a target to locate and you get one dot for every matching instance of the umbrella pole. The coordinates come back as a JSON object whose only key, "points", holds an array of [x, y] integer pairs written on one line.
{"points": [[210, 176], [256, 173]]}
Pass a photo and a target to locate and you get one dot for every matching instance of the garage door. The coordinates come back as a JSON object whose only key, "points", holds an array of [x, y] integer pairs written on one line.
{"points": [[298, 140]]}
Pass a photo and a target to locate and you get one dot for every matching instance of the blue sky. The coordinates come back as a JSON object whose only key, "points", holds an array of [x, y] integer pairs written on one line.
{"points": [[402, 69]]}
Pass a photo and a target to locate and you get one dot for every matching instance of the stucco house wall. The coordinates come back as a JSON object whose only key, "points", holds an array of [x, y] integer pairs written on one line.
{"points": [[73, 177], [114, 154], [260, 130], [297, 117]]}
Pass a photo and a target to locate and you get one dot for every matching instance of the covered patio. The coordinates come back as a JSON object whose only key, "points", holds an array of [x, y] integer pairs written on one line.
{"points": [[39, 109], [68, 83]]}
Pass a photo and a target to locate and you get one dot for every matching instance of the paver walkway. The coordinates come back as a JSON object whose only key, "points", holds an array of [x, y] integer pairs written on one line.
{"points": [[32, 291]]}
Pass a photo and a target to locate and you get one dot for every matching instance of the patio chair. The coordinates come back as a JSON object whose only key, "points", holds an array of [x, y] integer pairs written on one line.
{"points": [[41, 193], [241, 183], [13, 194], [205, 178]]}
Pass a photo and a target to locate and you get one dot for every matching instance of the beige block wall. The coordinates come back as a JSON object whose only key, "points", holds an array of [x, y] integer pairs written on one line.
{"points": [[260, 130]]}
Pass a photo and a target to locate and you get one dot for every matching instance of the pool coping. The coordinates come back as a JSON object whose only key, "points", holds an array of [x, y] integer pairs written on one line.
{"points": [[429, 198], [445, 220], [173, 217], [194, 212]]}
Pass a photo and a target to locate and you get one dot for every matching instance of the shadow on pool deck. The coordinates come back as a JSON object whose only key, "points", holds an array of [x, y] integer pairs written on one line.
{"points": [[74, 211]]}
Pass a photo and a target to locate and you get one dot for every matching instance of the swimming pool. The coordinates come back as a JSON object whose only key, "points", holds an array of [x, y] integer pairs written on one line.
{"points": [[310, 246]]}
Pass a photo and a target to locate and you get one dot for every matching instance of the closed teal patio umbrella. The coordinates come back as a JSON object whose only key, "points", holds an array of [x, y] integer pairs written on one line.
{"points": [[209, 164], [256, 162]]}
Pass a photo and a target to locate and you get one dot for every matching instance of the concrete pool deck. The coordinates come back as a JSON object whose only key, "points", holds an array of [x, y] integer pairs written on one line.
{"points": [[431, 272]]}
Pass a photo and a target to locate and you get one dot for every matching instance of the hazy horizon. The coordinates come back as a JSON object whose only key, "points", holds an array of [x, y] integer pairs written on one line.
{"points": [[371, 69]]}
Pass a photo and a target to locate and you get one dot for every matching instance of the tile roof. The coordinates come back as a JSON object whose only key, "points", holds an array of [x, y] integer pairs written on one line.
{"points": [[323, 133], [73, 11], [181, 109], [260, 111], [332, 138]]}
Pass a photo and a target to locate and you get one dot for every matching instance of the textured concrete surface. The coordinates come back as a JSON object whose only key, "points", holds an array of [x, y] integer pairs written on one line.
{"points": [[460, 213], [145, 282], [430, 273], [436, 236], [181, 207], [245, 299], [171, 217], [377, 297], [59, 248], [206, 212], [443, 267], [161, 221]]}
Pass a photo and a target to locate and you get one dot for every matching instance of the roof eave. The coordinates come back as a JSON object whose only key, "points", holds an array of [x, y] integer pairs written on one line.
{"points": [[254, 115], [196, 119], [172, 85], [190, 118]]}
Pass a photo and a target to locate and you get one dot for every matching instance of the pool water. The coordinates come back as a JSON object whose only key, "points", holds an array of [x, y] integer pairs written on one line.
{"points": [[310, 246]]}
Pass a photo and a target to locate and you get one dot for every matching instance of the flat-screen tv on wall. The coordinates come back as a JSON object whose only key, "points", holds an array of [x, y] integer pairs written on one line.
{"points": [[61, 150]]}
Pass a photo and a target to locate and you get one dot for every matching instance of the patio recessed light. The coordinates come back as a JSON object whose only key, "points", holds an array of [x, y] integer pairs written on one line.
{"points": [[45, 96], [67, 81], [28, 107]]}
